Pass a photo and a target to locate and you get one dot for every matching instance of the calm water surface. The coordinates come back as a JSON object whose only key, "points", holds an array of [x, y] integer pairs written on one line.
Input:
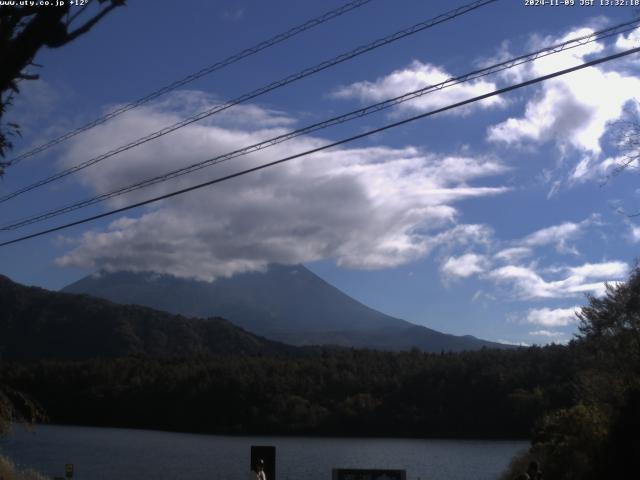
{"points": [[106, 453]]}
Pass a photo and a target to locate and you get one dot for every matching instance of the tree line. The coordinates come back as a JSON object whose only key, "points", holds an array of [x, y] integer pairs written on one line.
{"points": [[484, 394]]}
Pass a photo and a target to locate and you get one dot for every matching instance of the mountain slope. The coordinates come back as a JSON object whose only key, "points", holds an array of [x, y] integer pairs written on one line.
{"points": [[288, 304], [39, 324]]}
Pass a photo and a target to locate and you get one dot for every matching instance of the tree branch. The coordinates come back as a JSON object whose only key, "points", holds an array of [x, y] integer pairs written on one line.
{"points": [[89, 24]]}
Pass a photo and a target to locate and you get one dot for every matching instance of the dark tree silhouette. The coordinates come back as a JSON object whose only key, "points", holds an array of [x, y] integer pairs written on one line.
{"points": [[23, 31], [596, 436], [613, 322]]}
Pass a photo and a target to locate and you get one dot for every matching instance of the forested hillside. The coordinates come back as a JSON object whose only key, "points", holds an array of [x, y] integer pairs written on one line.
{"points": [[38, 324]]}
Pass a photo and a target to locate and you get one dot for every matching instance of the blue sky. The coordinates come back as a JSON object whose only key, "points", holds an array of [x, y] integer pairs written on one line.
{"points": [[494, 220]]}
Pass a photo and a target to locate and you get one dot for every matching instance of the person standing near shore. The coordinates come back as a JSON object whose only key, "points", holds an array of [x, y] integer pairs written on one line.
{"points": [[260, 475]]}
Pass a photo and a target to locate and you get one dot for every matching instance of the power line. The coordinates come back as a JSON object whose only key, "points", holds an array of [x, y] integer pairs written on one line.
{"points": [[330, 145], [256, 93], [314, 22], [511, 63]]}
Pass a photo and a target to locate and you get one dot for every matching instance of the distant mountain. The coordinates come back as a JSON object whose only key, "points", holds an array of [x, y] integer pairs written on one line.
{"points": [[38, 324], [287, 304]]}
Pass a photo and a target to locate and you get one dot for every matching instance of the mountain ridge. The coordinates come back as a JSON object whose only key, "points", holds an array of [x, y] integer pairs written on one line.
{"points": [[288, 304], [38, 324]]}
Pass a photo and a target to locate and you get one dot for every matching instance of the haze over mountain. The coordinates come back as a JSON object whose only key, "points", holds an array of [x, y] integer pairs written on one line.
{"points": [[287, 304]]}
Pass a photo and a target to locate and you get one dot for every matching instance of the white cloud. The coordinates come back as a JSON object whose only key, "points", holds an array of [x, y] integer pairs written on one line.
{"points": [[600, 270], [574, 111], [419, 75], [559, 235], [547, 333], [464, 266], [546, 317], [629, 41], [514, 254], [591, 167], [515, 343], [526, 283], [366, 208], [530, 281], [634, 233], [462, 235]]}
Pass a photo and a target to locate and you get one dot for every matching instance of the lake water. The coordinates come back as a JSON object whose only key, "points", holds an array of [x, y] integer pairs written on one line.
{"points": [[122, 454]]}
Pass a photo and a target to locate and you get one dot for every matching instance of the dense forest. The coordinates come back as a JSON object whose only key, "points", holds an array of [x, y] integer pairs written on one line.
{"points": [[579, 403], [491, 393]]}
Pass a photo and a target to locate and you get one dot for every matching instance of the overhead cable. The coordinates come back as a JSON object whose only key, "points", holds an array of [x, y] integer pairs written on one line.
{"points": [[327, 146], [255, 93], [314, 22], [370, 109]]}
